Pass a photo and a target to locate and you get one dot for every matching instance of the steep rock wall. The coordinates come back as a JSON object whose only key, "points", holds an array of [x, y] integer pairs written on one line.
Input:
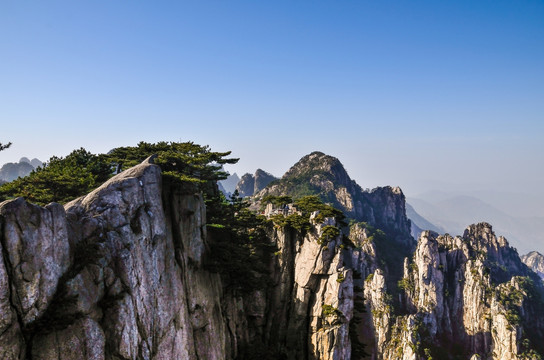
{"points": [[109, 276], [311, 300], [118, 274], [472, 293]]}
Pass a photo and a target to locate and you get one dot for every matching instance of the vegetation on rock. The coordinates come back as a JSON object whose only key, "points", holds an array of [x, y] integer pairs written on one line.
{"points": [[62, 179], [4, 146], [239, 245], [237, 236]]}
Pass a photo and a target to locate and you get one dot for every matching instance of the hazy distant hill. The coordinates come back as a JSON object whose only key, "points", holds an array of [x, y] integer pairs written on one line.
{"points": [[251, 184], [11, 171], [535, 261], [452, 213], [515, 203], [419, 223], [229, 184]]}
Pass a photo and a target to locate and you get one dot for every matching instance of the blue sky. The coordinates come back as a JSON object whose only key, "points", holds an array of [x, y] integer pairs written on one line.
{"points": [[406, 93]]}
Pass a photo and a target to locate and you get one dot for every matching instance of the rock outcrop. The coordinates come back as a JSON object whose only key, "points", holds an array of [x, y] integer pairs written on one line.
{"points": [[311, 301], [252, 184], [535, 261], [471, 295], [246, 185], [462, 297]]}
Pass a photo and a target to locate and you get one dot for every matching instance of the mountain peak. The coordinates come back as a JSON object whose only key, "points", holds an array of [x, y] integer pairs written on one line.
{"points": [[535, 261], [261, 172], [325, 176], [251, 184], [318, 162], [483, 236]]}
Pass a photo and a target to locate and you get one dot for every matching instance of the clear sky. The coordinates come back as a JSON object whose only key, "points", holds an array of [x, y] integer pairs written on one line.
{"points": [[406, 93]]}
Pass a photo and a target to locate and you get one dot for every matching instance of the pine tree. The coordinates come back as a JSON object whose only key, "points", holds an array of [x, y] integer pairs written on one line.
{"points": [[3, 147]]}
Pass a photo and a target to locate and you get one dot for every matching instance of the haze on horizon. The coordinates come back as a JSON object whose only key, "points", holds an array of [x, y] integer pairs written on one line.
{"points": [[426, 95]]}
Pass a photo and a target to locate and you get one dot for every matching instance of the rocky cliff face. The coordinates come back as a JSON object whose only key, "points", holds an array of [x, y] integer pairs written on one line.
{"points": [[311, 301], [246, 185], [121, 274], [535, 261], [463, 297], [113, 275], [118, 274], [252, 184], [470, 295]]}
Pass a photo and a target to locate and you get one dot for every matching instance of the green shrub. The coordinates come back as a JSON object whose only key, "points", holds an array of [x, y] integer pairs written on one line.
{"points": [[328, 233], [329, 310]]}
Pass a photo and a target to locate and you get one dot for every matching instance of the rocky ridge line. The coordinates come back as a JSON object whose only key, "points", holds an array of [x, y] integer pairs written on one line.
{"points": [[120, 274]]}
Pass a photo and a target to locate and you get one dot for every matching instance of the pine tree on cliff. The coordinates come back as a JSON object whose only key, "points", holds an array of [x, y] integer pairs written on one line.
{"points": [[3, 147]]}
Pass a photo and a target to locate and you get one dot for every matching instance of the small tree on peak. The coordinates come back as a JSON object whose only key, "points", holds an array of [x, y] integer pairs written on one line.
{"points": [[3, 147]]}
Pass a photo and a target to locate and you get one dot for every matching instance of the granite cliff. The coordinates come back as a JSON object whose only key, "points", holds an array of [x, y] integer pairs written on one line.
{"points": [[252, 184], [119, 274], [123, 273]]}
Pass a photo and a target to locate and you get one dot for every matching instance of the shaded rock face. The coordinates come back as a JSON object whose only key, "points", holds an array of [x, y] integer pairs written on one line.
{"points": [[36, 253], [246, 186], [311, 300], [387, 210], [262, 179], [535, 261], [252, 184]]}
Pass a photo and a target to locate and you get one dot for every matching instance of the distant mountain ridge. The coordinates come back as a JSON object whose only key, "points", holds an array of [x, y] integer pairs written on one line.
{"points": [[419, 223], [229, 184], [12, 171], [535, 261], [451, 214], [251, 184]]}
